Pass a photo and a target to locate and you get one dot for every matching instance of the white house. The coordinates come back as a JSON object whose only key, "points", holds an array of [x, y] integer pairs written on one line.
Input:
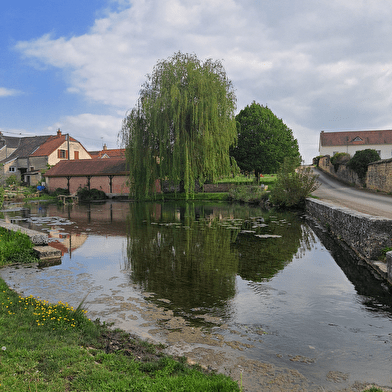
{"points": [[352, 141]]}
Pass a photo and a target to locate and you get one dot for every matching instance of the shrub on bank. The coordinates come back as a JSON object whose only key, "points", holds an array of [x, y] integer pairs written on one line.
{"points": [[86, 194], [249, 194], [15, 247], [293, 185]]}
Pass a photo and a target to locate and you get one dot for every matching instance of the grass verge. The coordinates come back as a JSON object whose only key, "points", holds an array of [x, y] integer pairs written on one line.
{"points": [[57, 348]]}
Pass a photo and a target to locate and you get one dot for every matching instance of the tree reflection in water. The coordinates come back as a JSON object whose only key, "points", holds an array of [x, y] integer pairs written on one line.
{"points": [[190, 254]]}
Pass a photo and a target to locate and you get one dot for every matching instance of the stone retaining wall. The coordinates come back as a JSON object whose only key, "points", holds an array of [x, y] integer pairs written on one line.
{"points": [[343, 173], [379, 176], [366, 234]]}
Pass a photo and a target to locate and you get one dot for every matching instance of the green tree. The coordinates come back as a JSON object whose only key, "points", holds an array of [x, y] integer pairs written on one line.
{"points": [[182, 125], [264, 141], [360, 161]]}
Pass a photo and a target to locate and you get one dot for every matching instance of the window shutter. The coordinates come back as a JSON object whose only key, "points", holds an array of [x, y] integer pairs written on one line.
{"points": [[66, 154], [58, 154]]}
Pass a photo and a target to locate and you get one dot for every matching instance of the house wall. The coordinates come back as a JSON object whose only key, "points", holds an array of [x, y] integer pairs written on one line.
{"points": [[385, 149], [22, 163], [119, 185], [7, 172], [53, 158], [38, 163], [5, 152]]}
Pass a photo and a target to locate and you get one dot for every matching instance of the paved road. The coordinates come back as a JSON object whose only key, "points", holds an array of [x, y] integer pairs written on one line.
{"points": [[333, 191]]}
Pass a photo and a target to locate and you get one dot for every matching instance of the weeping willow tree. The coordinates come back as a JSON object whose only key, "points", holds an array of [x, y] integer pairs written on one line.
{"points": [[182, 125]]}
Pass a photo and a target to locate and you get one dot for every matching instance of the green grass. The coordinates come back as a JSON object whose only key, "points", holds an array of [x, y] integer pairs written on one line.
{"points": [[15, 247], [242, 179], [46, 347]]}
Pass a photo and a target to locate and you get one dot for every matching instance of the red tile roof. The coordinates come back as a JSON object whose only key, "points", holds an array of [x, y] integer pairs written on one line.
{"points": [[88, 167], [52, 144], [355, 138], [112, 153]]}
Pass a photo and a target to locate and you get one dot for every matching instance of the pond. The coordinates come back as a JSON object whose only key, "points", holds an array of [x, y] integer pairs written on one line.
{"points": [[263, 296]]}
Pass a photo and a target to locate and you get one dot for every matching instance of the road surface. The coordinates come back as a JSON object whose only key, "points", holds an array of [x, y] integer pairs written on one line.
{"points": [[335, 192]]}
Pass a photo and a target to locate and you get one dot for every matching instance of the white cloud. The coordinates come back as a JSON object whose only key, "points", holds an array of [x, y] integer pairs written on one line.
{"points": [[6, 92], [91, 130], [323, 65]]}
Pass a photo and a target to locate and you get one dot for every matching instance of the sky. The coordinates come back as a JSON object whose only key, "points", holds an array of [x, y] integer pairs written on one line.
{"points": [[78, 65]]}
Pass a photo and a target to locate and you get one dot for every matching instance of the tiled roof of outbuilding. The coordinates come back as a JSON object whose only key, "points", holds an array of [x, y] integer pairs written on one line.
{"points": [[88, 167], [355, 138]]}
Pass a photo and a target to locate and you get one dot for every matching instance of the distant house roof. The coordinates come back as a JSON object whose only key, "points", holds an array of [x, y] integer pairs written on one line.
{"points": [[9, 141], [88, 167], [27, 145], [108, 153], [355, 138], [50, 145]]}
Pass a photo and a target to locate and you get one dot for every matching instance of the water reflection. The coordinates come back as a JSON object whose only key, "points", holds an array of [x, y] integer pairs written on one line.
{"points": [[226, 285], [191, 254]]}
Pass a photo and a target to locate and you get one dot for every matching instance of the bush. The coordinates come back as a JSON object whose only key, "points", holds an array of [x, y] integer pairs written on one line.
{"points": [[85, 194], [293, 185], [316, 160], [248, 194], [61, 191], [340, 158], [12, 180], [360, 161]]}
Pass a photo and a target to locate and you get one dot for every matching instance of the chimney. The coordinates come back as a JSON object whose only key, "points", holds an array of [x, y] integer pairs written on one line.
{"points": [[58, 132], [105, 147]]}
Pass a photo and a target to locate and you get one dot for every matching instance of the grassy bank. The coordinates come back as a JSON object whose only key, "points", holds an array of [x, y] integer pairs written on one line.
{"points": [[57, 348], [15, 247]]}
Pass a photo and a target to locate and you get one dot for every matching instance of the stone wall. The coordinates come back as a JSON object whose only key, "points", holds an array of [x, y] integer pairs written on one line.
{"points": [[343, 173], [367, 235], [379, 176]]}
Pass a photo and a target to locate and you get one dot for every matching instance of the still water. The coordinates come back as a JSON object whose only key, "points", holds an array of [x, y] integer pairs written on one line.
{"points": [[252, 293]]}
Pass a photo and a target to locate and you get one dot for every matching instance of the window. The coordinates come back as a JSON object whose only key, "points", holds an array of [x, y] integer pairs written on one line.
{"points": [[357, 139], [62, 154], [11, 168], [379, 152]]}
